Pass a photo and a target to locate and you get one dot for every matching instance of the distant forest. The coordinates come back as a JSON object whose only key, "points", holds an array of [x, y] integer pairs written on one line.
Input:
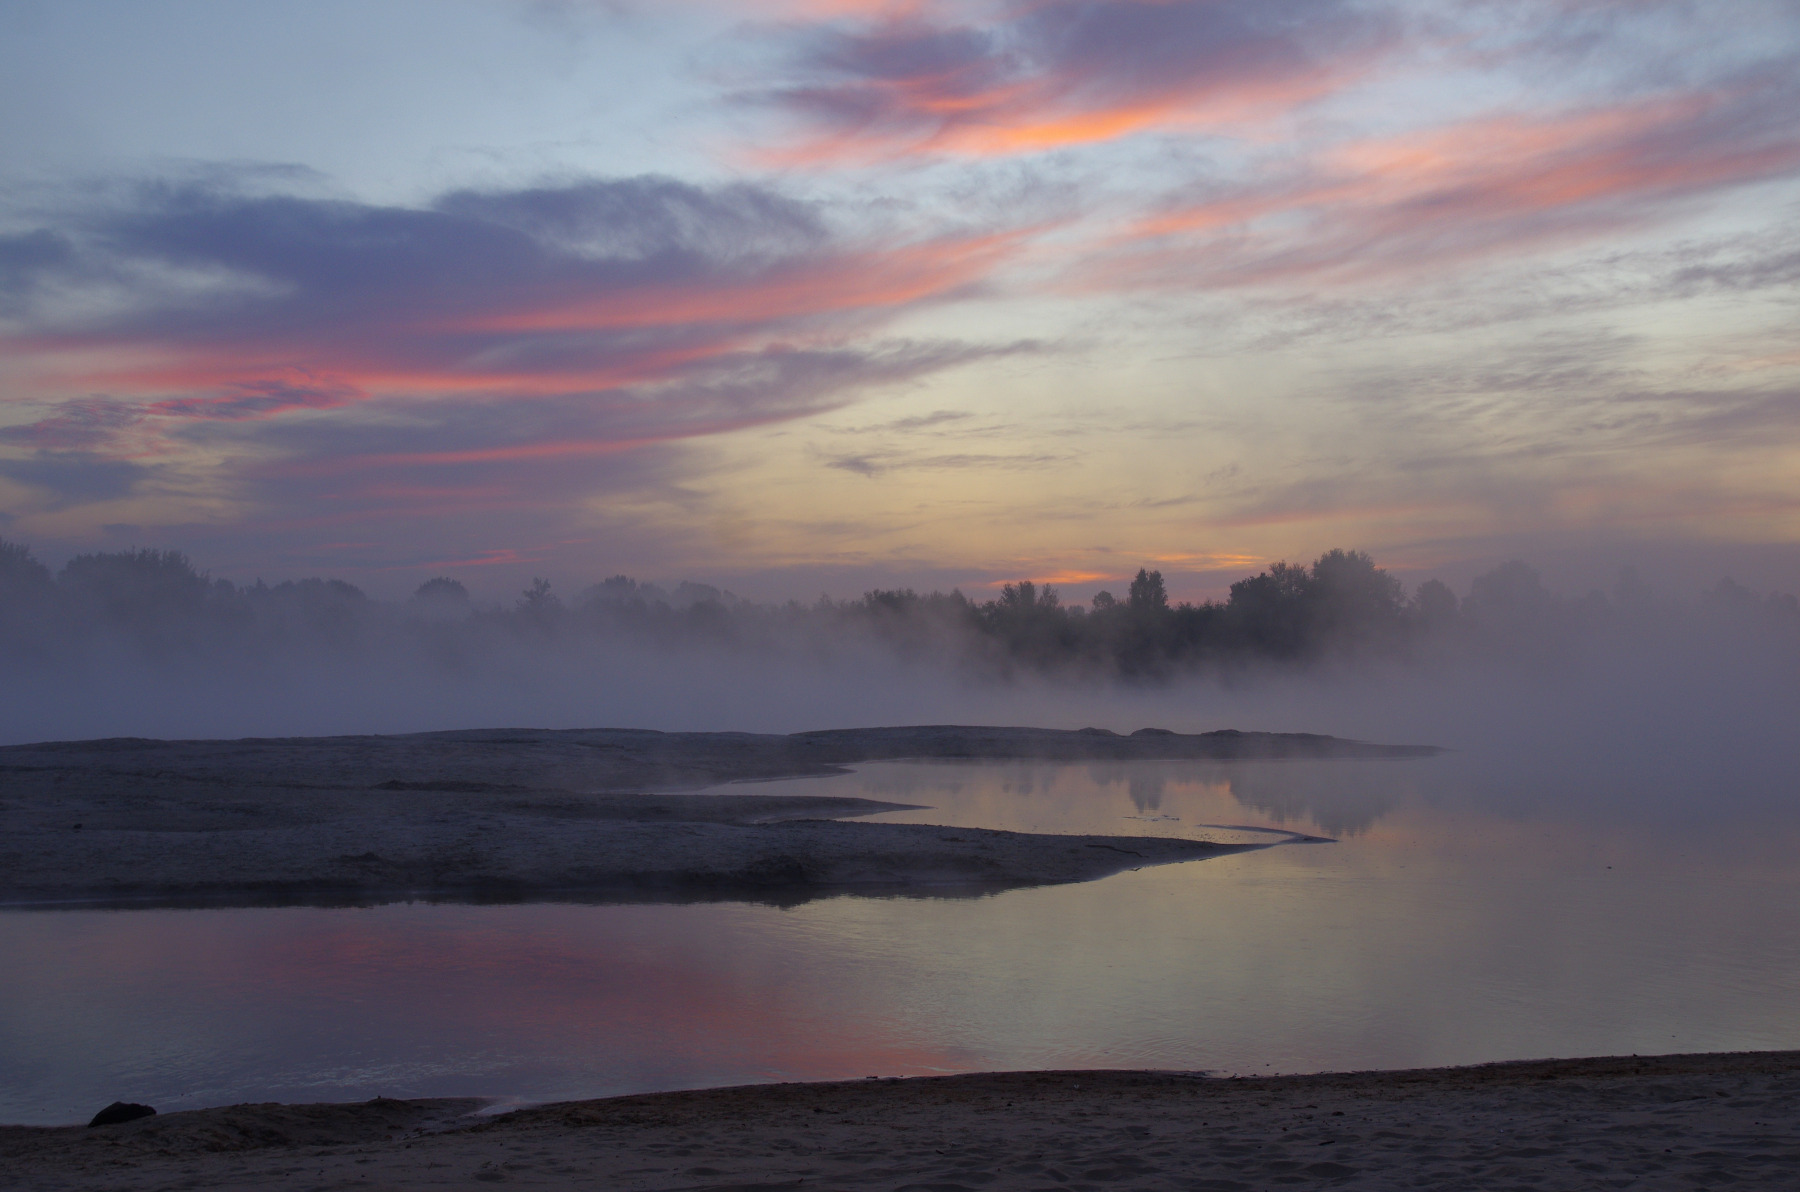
{"points": [[157, 606]]}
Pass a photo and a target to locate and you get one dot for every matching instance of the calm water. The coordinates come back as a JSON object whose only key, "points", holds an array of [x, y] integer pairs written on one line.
{"points": [[1454, 920]]}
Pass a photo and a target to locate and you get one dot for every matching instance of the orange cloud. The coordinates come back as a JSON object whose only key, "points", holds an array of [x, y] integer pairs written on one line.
{"points": [[1056, 73], [1062, 576], [1210, 561]]}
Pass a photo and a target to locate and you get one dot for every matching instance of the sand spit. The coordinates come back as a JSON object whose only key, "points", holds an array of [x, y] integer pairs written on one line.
{"points": [[1698, 1121], [520, 814]]}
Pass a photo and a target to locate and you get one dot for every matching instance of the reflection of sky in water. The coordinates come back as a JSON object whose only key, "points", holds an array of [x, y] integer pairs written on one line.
{"points": [[1464, 914]]}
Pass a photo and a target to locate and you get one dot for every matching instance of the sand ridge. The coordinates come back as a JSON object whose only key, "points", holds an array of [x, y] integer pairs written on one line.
{"points": [[512, 814], [1700, 1121]]}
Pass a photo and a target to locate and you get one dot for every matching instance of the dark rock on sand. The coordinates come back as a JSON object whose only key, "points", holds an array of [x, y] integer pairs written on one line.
{"points": [[121, 1111]]}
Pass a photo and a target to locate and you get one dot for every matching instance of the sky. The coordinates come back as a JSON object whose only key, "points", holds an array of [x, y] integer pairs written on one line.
{"points": [[803, 296]]}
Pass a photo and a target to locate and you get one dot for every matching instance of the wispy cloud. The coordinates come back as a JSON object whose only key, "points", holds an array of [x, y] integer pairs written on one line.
{"points": [[876, 463], [528, 325], [1044, 74], [1369, 208]]}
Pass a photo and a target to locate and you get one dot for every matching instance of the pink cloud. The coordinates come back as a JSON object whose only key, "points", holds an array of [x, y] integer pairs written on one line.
{"points": [[265, 397], [484, 298], [1368, 208], [1058, 73]]}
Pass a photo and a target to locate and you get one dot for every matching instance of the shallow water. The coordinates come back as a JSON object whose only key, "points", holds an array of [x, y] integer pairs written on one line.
{"points": [[1462, 914]]}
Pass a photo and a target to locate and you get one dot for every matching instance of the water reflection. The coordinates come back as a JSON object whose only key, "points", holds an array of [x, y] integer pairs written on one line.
{"points": [[1455, 920], [1329, 798]]}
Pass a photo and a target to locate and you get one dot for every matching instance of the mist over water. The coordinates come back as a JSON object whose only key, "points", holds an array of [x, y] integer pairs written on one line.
{"points": [[1621, 702], [1602, 863]]}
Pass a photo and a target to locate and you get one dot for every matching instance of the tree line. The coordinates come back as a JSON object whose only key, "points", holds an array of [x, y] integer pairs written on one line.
{"points": [[1341, 606]]}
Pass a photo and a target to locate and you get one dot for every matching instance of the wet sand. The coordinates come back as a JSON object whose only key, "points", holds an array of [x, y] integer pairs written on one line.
{"points": [[517, 814], [1703, 1121]]}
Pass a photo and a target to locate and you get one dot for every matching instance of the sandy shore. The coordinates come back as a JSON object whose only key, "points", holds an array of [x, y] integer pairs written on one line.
{"points": [[523, 814], [1702, 1121]]}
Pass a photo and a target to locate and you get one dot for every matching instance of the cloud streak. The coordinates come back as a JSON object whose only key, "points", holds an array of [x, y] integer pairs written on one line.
{"points": [[497, 327], [1050, 74], [1367, 209]]}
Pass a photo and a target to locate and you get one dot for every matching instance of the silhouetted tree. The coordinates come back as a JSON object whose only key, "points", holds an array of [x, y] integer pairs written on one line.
{"points": [[1026, 595], [327, 611], [27, 599], [442, 599], [1351, 603], [1030, 624], [153, 595], [21, 574], [442, 589], [617, 589], [1147, 593], [1342, 602], [1433, 607], [1269, 610]]}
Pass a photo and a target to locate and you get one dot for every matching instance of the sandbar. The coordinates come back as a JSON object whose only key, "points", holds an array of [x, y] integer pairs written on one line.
{"points": [[525, 814]]}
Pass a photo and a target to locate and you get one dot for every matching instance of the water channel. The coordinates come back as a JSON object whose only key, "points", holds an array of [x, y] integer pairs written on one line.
{"points": [[1448, 921]]}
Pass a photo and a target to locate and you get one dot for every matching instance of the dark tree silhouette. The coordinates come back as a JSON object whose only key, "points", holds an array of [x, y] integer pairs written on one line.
{"points": [[147, 591], [442, 589], [1269, 610], [21, 576], [1433, 606], [27, 600], [1147, 593], [1352, 603], [1341, 605]]}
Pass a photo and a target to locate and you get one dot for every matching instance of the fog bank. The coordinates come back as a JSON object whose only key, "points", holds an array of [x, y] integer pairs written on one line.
{"points": [[1615, 692]]}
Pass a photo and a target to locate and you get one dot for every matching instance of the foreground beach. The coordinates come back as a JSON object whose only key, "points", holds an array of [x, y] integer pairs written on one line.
{"points": [[1696, 1121], [522, 814]]}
